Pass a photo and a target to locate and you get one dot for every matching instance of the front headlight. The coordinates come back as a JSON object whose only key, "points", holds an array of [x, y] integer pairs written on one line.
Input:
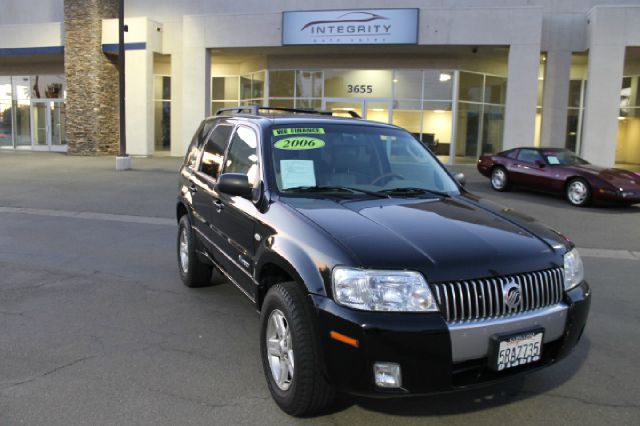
{"points": [[370, 290], [573, 269]]}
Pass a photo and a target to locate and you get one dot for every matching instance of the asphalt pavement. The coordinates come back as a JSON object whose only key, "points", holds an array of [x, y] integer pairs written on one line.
{"points": [[97, 329]]}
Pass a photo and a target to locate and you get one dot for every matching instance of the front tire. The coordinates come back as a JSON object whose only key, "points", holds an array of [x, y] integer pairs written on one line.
{"points": [[193, 272], [499, 179], [290, 352], [578, 192]]}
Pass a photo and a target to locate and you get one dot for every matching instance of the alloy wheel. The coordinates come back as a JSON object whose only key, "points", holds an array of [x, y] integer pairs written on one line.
{"points": [[280, 349], [184, 251], [577, 192]]}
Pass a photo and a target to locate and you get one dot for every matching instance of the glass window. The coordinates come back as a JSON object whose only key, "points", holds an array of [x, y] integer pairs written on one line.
{"points": [[215, 106], [573, 118], [529, 156], [243, 154], [245, 86], [281, 84], [438, 84], [574, 93], [315, 104], [224, 88], [408, 84], [471, 86], [47, 87], [257, 84], [407, 114], [23, 122], [213, 154], [5, 88], [309, 84], [162, 87], [190, 158], [21, 87], [467, 130], [492, 128], [358, 83], [5, 123], [281, 103], [495, 90], [437, 120], [162, 125]]}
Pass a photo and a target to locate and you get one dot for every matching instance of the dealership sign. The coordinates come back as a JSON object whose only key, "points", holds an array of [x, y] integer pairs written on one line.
{"points": [[360, 26]]}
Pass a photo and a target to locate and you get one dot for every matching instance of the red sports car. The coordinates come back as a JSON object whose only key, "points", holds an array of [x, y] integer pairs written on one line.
{"points": [[560, 171]]}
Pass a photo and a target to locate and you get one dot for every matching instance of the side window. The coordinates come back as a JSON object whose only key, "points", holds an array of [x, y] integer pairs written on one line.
{"points": [[243, 154], [529, 156], [511, 154], [213, 154], [192, 151]]}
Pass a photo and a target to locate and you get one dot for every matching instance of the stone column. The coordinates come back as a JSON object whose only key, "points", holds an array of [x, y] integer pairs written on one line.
{"points": [[91, 78], [522, 95], [602, 106], [555, 99]]}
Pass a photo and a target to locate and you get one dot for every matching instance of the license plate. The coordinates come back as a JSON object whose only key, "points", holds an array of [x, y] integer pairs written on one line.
{"points": [[517, 349]]}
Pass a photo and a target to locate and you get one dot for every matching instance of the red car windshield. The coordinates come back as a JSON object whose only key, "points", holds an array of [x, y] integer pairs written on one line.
{"points": [[563, 158]]}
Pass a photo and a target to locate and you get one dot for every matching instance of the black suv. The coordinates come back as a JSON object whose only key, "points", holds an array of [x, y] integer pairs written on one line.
{"points": [[374, 271]]}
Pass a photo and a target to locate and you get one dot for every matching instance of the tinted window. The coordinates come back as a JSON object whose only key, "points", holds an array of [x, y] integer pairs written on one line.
{"points": [[243, 154], [213, 154], [511, 154], [190, 158], [563, 158], [529, 156]]}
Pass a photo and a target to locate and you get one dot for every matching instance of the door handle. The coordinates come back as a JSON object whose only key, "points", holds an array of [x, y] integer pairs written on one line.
{"points": [[193, 188], [219, 205]]}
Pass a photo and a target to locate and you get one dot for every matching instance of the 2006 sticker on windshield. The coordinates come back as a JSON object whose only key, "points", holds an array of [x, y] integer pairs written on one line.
{"points": [[299, 143]]}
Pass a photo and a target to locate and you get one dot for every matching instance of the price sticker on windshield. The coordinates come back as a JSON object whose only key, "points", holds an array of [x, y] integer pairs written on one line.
{"points": [[299, 143]]}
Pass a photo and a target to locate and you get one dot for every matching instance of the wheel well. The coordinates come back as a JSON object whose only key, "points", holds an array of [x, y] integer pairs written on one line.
{"points": [[269, 275], [181, 210]]}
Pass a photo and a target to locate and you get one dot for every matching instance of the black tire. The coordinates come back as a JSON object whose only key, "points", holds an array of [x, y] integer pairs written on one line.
{"points": [[578, 192], [194, 273], [308, 392], [500, 179]]}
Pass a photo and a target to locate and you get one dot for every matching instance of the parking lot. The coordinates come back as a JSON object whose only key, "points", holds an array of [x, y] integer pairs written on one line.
{"points": [[97, 328]]}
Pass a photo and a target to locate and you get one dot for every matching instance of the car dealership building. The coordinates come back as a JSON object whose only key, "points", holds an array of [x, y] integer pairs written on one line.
{"points": [[467, 76]]}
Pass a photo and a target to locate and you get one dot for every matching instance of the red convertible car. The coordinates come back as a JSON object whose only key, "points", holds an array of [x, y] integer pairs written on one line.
{"points": [[560, 171]]}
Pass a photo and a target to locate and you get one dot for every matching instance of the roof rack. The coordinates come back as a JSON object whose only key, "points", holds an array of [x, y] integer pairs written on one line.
{"points": [[255, 110]]}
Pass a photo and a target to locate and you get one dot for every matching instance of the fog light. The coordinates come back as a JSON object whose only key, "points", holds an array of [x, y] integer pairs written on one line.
{"points": [[387, 374]]}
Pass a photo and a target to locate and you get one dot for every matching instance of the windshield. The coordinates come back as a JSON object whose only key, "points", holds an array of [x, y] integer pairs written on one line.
{"points": [[564, 158], [336, 157]]}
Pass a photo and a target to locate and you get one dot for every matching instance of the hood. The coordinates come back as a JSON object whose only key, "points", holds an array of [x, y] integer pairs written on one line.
{"points": [[620, 178], [446, 239]]}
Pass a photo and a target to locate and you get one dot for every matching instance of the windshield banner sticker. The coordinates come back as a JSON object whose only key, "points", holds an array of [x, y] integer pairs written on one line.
{"points": [[298, 131], [296, 173], [299, 143]]}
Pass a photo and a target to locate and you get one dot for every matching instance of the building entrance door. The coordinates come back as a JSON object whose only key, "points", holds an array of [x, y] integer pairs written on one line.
{"points": [[47, 125], [369, 109]]}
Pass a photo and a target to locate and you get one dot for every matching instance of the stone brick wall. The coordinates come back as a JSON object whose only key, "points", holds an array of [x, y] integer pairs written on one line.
{"points": [[92, 126]]}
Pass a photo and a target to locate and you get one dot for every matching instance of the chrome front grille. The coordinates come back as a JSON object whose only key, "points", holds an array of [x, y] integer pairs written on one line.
{"points": [[471, 300]]}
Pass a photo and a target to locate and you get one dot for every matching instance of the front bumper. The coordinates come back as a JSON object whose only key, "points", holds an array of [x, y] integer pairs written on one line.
{"points": [[422, 344], [623, 197]]}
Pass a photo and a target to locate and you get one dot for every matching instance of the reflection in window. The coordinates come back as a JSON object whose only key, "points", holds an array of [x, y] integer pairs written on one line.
{"points": [[281, 84], [213, 154], [470, 87], [243, 156]]}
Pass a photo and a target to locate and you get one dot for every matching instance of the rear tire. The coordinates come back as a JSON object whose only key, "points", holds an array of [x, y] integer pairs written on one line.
{"points": [[500, 179], [193, 272], [289, 348], [578, 192]]}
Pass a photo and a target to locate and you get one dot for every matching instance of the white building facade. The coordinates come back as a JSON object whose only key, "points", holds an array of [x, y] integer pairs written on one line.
{"points": [[468, 76]]}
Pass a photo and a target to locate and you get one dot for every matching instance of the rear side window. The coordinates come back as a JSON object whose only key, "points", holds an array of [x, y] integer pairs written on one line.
{"points": [[192, 151], [213, 155], [243, 154], [511, 154], [529, 156]]}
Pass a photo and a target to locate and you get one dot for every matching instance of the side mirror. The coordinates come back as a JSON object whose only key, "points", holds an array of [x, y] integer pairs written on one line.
{"points": [[459, 177], [234, 184], [540, 163]]}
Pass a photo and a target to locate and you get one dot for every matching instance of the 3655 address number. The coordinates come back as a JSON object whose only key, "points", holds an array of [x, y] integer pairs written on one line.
{"points": [[359, 88]]}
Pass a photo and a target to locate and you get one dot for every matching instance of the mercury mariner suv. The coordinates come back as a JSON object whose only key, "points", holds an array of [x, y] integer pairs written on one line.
{"points": [[374, 271]]}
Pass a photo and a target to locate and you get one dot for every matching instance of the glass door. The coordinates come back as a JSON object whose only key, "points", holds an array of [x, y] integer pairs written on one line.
{"points": [[47, 126]]}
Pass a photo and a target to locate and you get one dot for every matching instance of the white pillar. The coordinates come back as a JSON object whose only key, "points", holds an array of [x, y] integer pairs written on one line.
{"points": [[139, 105], [555, 98], [602, 107], [522, 94], [195, 61]]}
